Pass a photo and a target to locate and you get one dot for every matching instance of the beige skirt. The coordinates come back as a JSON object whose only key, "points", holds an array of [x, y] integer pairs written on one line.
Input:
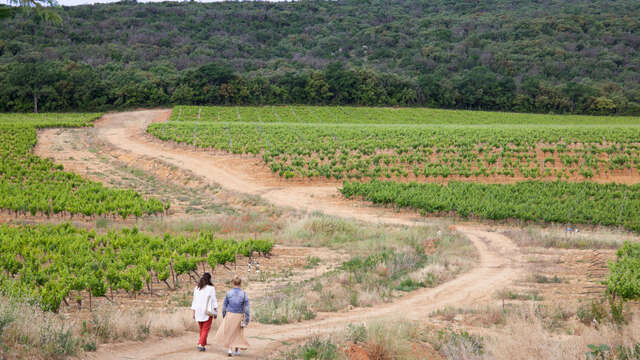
{"points": [[230, 334]]}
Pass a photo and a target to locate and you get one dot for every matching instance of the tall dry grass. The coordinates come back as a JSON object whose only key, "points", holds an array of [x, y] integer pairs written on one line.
{"points": [[556, 237], [26, 331], [112, 323], [528, 335]]}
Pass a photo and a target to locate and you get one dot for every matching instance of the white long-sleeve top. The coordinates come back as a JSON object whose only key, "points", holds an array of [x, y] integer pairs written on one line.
{"points": [[199, 303]]}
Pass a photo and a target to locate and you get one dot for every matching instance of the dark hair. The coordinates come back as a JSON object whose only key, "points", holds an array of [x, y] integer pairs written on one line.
{"points": [[204, 280]]}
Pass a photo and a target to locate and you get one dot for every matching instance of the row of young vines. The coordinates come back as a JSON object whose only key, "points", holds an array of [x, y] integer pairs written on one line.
{"points": [[558, 202], [382, 115]]}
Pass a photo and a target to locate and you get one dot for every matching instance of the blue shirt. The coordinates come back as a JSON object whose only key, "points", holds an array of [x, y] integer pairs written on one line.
{"points": [[237, 302]]}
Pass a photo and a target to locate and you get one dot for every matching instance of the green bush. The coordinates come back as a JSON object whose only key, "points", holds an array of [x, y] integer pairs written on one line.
{"points": [[409, 285], [320, 350]]}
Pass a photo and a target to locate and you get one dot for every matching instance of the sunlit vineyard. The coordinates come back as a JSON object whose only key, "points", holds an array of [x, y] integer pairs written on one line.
{"points": [[414, 144], [36, 186], [48, 264]]}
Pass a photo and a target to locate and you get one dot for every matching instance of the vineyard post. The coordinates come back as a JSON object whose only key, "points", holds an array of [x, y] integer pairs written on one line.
{"points": [[149, 283], [90, 307], [173, 273]]}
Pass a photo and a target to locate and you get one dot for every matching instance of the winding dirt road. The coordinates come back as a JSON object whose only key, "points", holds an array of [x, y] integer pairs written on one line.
{"points": [[499, 264]]}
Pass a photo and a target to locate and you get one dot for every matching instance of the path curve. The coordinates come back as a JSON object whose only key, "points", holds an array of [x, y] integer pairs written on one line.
{"points": [[499, 262]]}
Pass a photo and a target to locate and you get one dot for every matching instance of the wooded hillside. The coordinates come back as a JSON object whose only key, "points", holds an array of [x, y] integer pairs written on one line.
{"points": [[520, 55]]}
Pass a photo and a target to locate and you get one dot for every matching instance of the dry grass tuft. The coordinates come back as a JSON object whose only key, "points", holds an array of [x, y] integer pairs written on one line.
{"points": [[555, 238], [25, 328], [527, 335], [111, 323]]}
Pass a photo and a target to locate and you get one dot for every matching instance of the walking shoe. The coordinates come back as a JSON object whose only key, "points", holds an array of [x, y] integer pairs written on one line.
{"points": [[230, 353]]}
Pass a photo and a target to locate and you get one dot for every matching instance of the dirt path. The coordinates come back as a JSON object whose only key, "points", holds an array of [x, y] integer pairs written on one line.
{"points": [[127, 131], [499, 261], [498, 267]]}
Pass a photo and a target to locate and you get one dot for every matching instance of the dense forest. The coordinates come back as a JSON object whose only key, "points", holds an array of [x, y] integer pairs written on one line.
{"points": [[579, 56]]}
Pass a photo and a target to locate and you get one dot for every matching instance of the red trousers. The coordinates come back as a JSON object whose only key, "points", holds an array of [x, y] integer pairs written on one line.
{"points": [[205, 326]]}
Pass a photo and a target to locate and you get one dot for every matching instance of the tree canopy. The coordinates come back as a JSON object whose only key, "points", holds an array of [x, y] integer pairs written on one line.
{"points": [[530, 56]]}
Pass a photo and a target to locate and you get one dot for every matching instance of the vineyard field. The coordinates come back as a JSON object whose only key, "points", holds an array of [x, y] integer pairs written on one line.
{"points": [[33, 185], [382, 115], [298, 145], [558, 202], [49, 263]]}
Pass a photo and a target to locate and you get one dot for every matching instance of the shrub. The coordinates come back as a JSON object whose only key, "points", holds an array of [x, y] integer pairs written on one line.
{"points": [[409, 285], [460, 345], [314, 349], [283, 309], [587, 313], [58, 342]]}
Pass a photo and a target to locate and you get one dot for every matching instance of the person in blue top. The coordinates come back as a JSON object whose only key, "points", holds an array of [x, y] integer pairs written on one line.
{"points": [[235, 318]]}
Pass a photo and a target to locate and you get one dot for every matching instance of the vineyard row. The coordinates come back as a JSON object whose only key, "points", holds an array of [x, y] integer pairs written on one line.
{"points": [[557, 202], [382, 115]]}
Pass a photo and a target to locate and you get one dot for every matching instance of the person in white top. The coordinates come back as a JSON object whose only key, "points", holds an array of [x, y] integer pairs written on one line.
{"points": [[205, 308]]}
